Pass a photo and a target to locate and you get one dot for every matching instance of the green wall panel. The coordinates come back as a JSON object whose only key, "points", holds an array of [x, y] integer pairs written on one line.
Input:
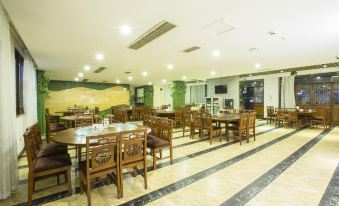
{"points": [[178, 91]]}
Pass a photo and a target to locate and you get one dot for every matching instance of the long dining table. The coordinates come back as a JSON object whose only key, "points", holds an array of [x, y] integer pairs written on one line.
{"points": [[226, 119]]}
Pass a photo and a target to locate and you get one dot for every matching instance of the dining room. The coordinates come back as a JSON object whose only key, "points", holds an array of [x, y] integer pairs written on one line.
{"points": [[169, 102]]}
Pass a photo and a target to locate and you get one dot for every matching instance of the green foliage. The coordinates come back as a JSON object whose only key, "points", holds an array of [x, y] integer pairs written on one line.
{"points": [[148, 95], [178, 92], [43, 85]]}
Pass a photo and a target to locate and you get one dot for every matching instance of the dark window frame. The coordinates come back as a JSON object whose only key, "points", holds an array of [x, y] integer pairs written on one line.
{"points": [[19, 81]]}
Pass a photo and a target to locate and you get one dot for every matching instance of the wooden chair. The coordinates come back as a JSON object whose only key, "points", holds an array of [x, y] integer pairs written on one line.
{"points": [[270, 114], [240, 129], [43, 167], [120, 116], [101, 160], [207, 125], [251, 124], [52, 125], [197, 123], [280, 117], [160, 138], [83, 120], [291, 117], [132, 152], [187, 122], [135, 114], [178, 117], [323, 120]]}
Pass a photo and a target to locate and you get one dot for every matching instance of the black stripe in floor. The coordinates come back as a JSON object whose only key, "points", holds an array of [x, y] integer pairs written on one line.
{"points": [[64, 194], [149, 197], [331, 195], [247, 193]]}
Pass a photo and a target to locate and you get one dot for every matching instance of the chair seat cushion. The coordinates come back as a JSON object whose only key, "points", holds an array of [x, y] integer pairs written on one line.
{"points": [[52, 149], [52, 162], [155, 142]]}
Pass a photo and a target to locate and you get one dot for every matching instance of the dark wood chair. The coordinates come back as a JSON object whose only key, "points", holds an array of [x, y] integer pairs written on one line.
{"points": [[251, 124], [280, 117], [120, 116], [197, 123], [132, 153], [160, 138], [208, 126], [291, 117], [270, 114], [323, 120], [178, 117], [43, 167], [187, 121], [83, 120], [135, 114], [240, 129], [101, 160]]}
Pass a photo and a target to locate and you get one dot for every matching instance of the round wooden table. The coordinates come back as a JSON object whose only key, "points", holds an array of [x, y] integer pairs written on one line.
{"points": [[226, 118]]}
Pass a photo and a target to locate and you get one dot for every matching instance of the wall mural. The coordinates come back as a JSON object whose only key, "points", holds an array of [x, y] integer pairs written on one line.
{"points": [[82, 96]]}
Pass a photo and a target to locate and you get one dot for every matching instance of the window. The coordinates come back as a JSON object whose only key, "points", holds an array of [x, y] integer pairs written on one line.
{"points": [[19, 71], [302, 94], [336, 93], [321, 93]]}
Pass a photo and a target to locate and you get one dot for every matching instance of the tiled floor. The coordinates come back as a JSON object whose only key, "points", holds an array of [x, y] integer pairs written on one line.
{"points": [[282, 167]]}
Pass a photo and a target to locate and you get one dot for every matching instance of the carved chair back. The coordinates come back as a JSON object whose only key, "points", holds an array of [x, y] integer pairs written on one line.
{"points": [[132, 146]]}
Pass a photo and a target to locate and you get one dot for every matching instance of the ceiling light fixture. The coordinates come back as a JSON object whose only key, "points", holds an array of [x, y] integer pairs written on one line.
{"points": [[144, 74], [164, 81], [170, 66], [76, 79], [125, 29], [216, 53], [118, 81], [184, 77], [87, 68], [149, 83], [130, 78], [281, 71], [257, 66], [324, 65], [80, 74], [99, 56], [212, 73], [318, 77]]}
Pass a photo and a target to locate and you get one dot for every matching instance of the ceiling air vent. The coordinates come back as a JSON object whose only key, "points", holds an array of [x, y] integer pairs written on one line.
{"points": [[100, 69], [191, 49], [85, 80], [152, 34]]}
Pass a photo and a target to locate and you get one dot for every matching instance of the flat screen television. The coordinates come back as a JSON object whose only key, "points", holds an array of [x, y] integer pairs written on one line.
{"points": [[220, 89]]}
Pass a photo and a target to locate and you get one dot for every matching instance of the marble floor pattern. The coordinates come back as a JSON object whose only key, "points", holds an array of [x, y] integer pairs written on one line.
{"points": [[284, 166]]}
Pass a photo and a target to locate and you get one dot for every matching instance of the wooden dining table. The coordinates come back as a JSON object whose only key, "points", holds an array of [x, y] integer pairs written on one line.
{"points": [[226, 119], [77, 137]]}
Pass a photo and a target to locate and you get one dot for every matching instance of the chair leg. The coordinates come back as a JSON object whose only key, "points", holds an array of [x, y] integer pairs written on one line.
{"points": [[160, 151], [30, 189], [220, 134], [81, 179], [154, 160], [88, 191], [171, 154], [183, 129], [69, 181], [121, 183], [145, 173], [211, 135], [254, 132]]}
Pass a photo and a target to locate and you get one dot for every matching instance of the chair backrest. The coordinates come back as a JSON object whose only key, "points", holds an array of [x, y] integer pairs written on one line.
{"points": [[280, 109], [197, 119], [292, 115], [207, 120], [83, 120], [243, 121], [270, 110], [156, 126], [187, 115], [251, 119], [36, 134], [31, 148], [290, 109], [132, 146], [166, 129], [102, 152], [120, 115], [178, 114]]}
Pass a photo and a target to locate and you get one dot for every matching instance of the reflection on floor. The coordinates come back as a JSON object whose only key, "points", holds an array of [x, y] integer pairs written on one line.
{"points": [[283, 166]]}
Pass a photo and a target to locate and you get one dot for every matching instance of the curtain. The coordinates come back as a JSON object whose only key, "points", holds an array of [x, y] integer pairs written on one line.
{"points": [[30, 90], [287, 92], [198, 94], [8, 151]]}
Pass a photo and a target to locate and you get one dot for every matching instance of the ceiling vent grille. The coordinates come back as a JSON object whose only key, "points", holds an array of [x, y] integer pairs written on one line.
{"points": [[152, 34], [191, 49], [100, 69]]}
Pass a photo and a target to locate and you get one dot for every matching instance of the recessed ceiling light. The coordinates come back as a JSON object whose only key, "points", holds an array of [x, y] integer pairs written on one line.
{"points": [[337, 57], [164, 81], [324, 65], [125, 29], [99, 56], [212, 73], [149, 83], [216, 53], [250, 75], [130, 78], [76, 79], [87, 68], [318, 77], [257, 65], [80, 74], [118, 81], [144, 74], [281, 71], [170, 66], [184, 77]]}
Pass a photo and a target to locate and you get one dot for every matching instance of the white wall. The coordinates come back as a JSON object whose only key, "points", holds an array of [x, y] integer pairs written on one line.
{"points": [[158, 95], [29, 94]]}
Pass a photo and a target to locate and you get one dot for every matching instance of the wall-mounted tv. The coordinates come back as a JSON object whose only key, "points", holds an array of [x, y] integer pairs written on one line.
{"points": [[220, 89]]}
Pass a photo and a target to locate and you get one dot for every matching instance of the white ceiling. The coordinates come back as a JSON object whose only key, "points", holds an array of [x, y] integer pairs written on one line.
{"points": [[65, 35]]}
